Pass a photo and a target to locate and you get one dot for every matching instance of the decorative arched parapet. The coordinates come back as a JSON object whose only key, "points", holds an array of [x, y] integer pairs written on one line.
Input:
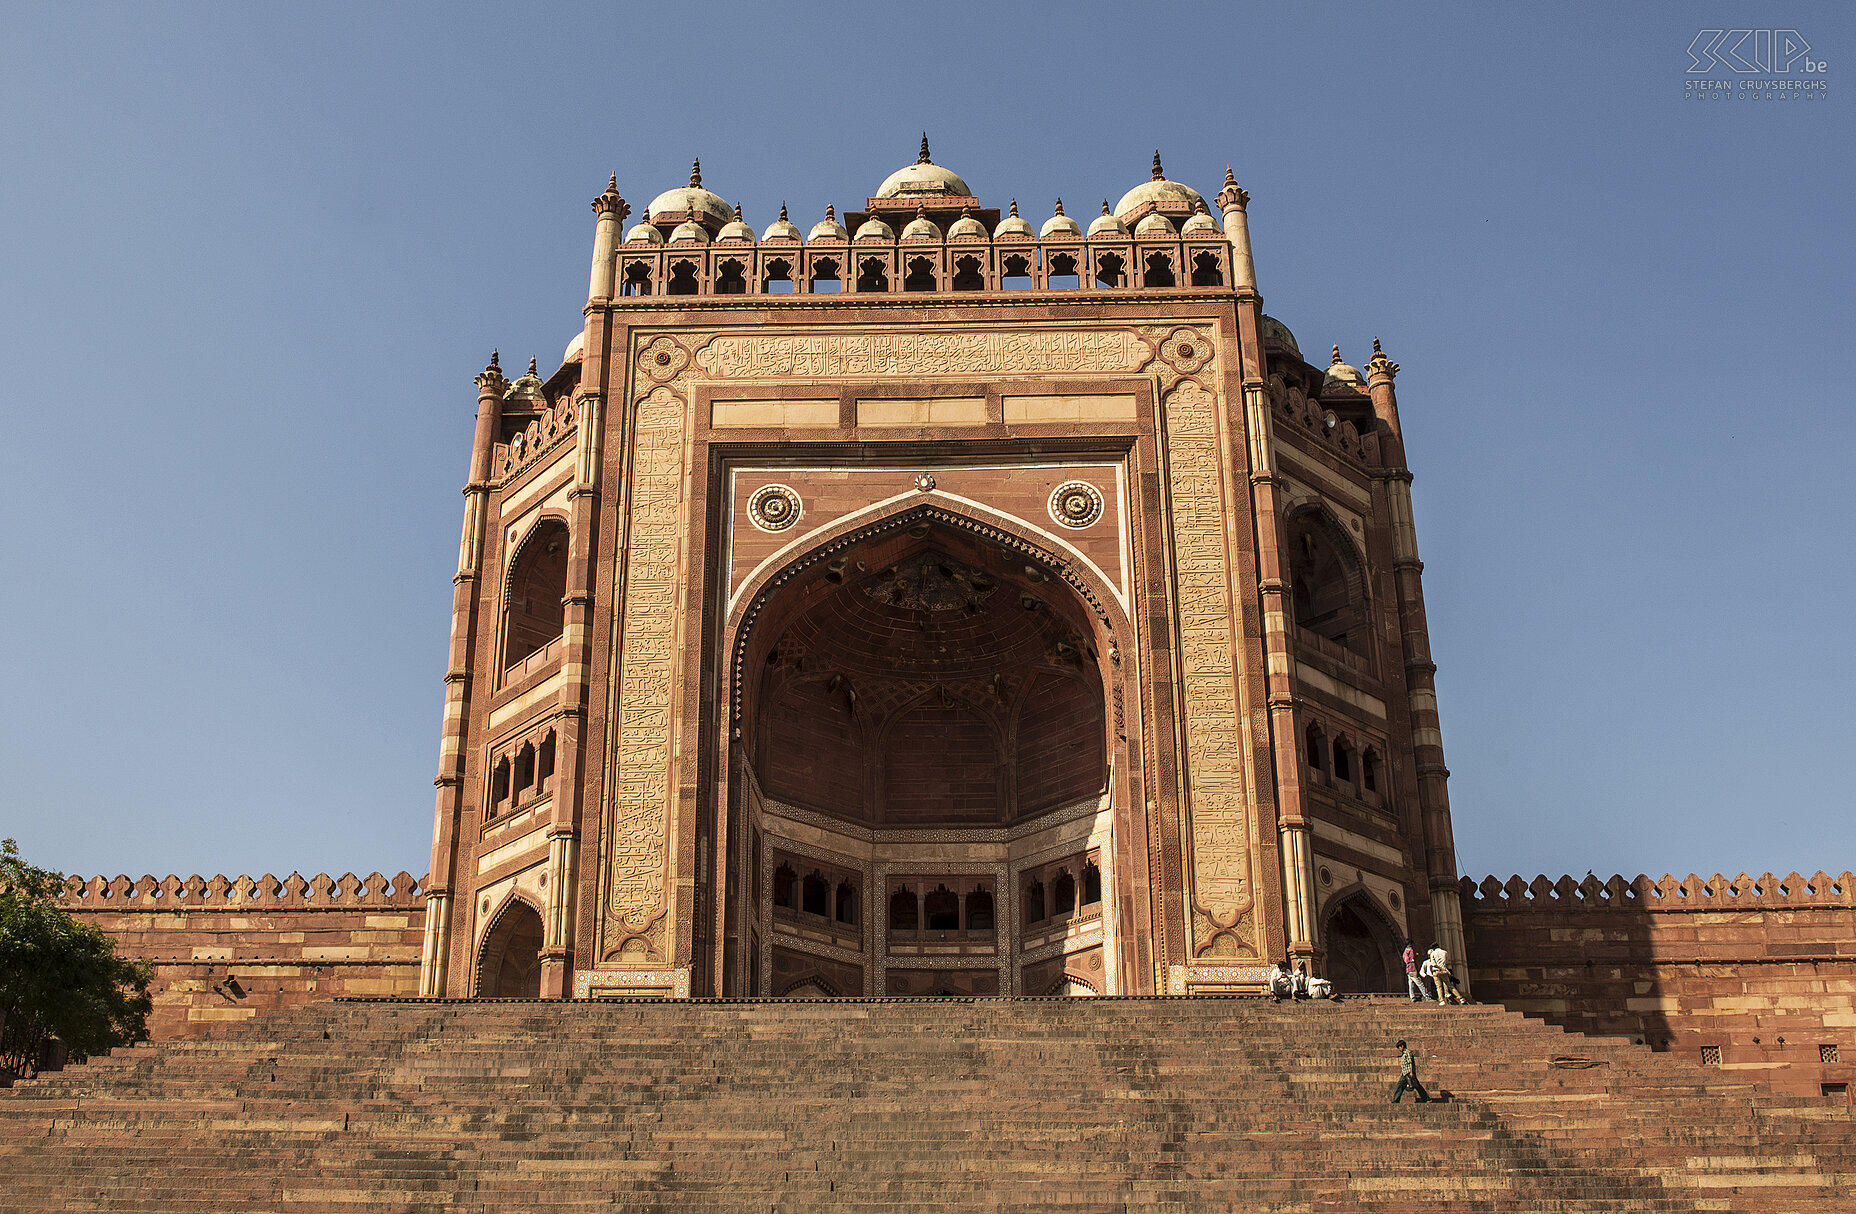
{"points": [[1662, 894]]}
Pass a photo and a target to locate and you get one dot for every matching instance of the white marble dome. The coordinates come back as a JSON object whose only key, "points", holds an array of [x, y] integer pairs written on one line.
{"points": [[875, 229]]}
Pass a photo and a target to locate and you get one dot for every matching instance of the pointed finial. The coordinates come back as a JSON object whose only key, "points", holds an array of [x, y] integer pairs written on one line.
{"points": [[612, 183], [921, 212], [1060, 206], [1014, 208], [696, 174], [610, 202], [1158, 174], [923, 158], [494, 365], [1105, 209], [1376, 349], [491, 377], [783, 210], [737, 212], [1336, 355], [531, 366], [1228, 178], [831, 212]]}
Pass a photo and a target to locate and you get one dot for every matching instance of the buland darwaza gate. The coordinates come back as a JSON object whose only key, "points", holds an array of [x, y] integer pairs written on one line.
{"points": [[936, 604]]}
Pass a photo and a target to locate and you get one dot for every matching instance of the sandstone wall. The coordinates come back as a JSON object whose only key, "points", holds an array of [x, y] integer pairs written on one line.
{"points": [[1757, 973], [229, 948]]}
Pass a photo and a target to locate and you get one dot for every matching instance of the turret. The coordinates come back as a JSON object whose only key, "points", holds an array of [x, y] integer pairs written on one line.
{"points": [[612, 211], [1232, 200]]}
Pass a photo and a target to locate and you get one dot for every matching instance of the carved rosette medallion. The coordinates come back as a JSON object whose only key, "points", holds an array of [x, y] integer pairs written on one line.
{"points": [[662, 359], [774, 508], [1217, 818], [636, 903], [1076, 504], [1186, 350]]}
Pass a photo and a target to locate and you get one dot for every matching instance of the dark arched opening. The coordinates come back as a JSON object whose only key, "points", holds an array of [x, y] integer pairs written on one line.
{"points": [[510, 964], [534, 612], [1361, 952]]}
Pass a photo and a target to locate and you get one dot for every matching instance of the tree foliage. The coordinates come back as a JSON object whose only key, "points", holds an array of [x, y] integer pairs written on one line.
{"points": [[59, 976]]}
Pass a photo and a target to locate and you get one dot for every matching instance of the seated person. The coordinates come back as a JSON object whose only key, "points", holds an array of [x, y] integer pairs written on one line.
{"points": [[1301, 980], [1282, 985], [1320, 988]]}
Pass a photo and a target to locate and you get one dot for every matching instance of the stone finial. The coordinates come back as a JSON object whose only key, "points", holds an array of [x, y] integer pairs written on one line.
{"points": [[1376, 349], [696, 174], [1059, 206], [1159, 174], [921, 212], [783, 210], [923, 158], [531, 367], [492, 378], [1380, 364], [1014, 208], [831, 212], [1232, 197], [1336, 357], [737, 212], [609, 203], [1105, 209]]}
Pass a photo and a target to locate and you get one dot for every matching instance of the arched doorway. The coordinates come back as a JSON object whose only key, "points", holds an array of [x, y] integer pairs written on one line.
{"points": [[1362, 953], [918, 696], [510, 964]]}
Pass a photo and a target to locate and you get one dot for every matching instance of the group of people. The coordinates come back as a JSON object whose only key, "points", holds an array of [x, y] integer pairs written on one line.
{"points": [[1287, 983], [1430, 978]]}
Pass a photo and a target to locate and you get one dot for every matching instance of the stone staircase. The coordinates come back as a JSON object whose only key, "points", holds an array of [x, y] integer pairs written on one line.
{"points": [[905, 1105]]}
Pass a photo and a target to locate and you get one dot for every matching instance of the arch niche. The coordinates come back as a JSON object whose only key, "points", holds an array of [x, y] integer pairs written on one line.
{"points": [[1362, 946], [923, 671], [509, 964]]}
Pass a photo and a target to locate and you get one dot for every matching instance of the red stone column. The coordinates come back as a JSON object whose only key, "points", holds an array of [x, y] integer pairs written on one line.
{"points": [[1293, 838], [436, 953], [1420, 671]]}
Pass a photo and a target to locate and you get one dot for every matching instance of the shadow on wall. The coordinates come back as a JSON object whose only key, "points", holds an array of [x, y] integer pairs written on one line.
{"points": [[1752, 974]]}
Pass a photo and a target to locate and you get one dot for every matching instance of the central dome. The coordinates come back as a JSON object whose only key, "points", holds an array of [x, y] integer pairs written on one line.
{"points": [[923, 178], [1158, 194], [691, 202]]}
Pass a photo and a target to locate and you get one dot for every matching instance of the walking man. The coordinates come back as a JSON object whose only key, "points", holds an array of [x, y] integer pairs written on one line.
{"points": [[1414, 985], [1408, 1075]]}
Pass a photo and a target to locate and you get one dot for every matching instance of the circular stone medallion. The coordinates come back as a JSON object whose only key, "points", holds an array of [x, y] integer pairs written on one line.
{"points": [[774, 508], [1076, 504]]}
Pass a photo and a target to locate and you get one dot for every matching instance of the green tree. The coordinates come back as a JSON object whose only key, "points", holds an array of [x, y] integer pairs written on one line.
{"points": [[59, 976]]}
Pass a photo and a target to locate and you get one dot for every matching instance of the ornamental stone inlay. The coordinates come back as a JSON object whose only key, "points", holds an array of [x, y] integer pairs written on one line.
{"points": [[916, 353], [774, 508], [1076, 504]]}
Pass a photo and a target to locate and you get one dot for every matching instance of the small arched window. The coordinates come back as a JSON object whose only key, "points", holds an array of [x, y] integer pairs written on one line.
{"points": [[1205, 271], [873, 275], [499, 785], [1369, 770], [1016, 273], [942, 908], [1343, 761], [967, 275], [731, 278], [1109, 269], [1063, 272], [785, 887], [1063, 895], [1159, 271], [825, 280], [979, 911], [544, 761], [682, 279], [815, 895], [525, 771], [1316, 744], [844, 909], [1092, 884], [779, 279], [1034, 902], [637, 279], [904, 914], [921, 275], [537, 584]]}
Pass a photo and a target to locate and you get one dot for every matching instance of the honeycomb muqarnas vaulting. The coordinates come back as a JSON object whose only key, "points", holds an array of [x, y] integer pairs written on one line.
{"points": [[931, 602]]}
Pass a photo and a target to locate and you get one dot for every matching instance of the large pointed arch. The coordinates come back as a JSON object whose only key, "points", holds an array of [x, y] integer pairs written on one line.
{"points": [[509, 958]]}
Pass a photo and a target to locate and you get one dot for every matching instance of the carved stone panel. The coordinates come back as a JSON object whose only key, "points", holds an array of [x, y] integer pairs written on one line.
{"points": [[922, 354], [1218, 830]]}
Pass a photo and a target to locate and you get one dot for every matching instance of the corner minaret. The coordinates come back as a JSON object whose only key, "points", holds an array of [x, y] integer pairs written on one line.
{"points": [[1232, 200]]}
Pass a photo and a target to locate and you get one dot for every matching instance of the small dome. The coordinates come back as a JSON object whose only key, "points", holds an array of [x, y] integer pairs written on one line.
{"points": [[781, 228], [1107, 224], [644, 232], [828, 228], [1155, 224], [689, 230], [924, 177], [921, 227], [1341, 376], [875, 229], [576, 349], [1060, 224], [1011, 225], [1199, 221], [527, 386], [1164, 194], [966, 225], [690, 200], [735, 229], [1277, 333]]}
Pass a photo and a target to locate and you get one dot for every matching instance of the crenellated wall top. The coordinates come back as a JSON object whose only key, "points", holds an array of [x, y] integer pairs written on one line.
{"points": [[295, 892], [1662, 895]]}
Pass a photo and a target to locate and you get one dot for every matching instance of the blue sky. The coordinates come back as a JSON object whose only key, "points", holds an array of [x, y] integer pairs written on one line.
{"points": [[253, 256]]}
